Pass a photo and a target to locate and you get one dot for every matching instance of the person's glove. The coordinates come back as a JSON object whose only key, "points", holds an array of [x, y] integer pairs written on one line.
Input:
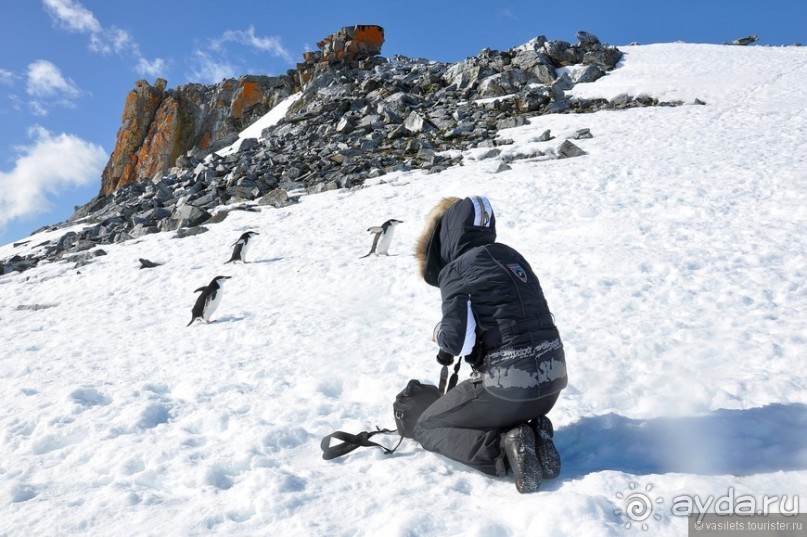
{"points": [[444, 358]]}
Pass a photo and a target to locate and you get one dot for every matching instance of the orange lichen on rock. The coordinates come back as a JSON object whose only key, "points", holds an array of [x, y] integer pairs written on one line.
{"points": [[138, 113], [349, 43], [247, 96], [160, 150]]}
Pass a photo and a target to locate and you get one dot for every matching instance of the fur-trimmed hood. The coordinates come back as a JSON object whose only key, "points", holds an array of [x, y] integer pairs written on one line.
{"points": [[452, 227]]}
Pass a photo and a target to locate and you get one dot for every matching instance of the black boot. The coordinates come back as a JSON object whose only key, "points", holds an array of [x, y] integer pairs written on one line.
{"points": [[545, 450], [519, 448]]}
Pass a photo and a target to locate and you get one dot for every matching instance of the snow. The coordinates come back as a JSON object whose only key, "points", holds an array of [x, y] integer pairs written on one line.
{"points": [[269, 119], [673, 258]]}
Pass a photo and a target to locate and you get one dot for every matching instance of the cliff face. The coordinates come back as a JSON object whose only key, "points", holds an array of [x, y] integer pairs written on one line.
{"points": [[159, 125]]}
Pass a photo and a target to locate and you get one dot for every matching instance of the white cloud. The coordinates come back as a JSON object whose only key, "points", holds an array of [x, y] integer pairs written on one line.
{"points": [[154, 68], [7, 77], [72, 16], [248, 38], [38, 109], [113, 40], [209, 69], [47, 88], [46, 80], [50, 164]]}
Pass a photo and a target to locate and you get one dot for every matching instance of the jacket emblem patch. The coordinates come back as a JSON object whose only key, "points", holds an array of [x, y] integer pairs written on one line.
{"points": [[519, 271]]}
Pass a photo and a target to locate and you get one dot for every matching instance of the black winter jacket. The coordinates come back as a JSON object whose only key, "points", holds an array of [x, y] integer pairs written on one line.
{"points": [[494, 311]]}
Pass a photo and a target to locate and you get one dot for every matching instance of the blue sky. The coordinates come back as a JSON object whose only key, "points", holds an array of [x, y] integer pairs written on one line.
{"points": [[67, 65]]}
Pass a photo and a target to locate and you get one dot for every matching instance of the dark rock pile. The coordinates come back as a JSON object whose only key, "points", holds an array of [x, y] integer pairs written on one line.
{"points": [[354, 120]]}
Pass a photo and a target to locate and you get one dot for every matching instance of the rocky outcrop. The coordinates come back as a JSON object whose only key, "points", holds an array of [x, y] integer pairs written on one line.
{"points": [[351, 43], [357, 118], [138, 112], [159, 125]]}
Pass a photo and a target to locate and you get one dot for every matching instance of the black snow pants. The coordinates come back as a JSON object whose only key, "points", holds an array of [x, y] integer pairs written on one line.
{"points": [[467, 423]]}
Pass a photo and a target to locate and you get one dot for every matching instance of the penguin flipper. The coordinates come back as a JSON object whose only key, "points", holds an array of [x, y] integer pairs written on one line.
{"points": [[375, 229], [200, 289]]}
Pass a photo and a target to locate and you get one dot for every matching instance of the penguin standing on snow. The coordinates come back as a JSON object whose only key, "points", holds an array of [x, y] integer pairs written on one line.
{"points": [[209, 300], [241, 246], [383, 237]]}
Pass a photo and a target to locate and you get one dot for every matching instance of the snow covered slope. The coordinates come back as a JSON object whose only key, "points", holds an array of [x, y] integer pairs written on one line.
{"points": [[672, 255]]}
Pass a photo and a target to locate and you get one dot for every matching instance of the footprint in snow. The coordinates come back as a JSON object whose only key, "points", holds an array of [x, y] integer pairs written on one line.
{"points": [[89, 397]]}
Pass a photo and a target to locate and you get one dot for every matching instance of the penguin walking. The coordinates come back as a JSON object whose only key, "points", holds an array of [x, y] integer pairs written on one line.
{"points": [[209, 300], [382, 238], [241, 246]]}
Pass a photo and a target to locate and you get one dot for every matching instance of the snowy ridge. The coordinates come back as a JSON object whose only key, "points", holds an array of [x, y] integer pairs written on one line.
{"points": [[672, 255]]}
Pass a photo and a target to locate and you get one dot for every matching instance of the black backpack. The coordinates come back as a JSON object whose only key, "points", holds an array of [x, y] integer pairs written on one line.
{"points": [[408, 406]]}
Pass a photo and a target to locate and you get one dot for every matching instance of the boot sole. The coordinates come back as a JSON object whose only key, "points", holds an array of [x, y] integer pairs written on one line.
{"points": [[531, 476], [547, 453]]}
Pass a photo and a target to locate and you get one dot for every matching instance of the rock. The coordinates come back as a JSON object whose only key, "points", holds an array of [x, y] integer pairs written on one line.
{"points": [[587, 39], [582, 134], [345, 125], [145, 263], [189, 232], [276, 198], [743, 41], [491, 153], [415, 123], [533, 100], [161, 125], [511, 122], [503, 167], [249, 144], [138, 112], [588, 74], [606, 59], [189, 216], [568, 150]]}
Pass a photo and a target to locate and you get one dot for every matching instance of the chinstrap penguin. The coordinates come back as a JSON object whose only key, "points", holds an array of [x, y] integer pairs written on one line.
{"points": [[241, 246], [209, 300], [382, 238]]}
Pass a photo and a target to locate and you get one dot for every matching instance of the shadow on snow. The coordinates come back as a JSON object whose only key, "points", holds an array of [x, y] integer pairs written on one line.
{"points": [[725, 442]]}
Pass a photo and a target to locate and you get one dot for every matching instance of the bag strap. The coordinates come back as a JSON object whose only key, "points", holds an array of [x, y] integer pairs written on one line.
{"points": [[447, 384], [353, 441]]}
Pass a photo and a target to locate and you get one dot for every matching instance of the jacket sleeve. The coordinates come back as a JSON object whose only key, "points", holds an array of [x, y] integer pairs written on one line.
{"points": [[457, 331]]}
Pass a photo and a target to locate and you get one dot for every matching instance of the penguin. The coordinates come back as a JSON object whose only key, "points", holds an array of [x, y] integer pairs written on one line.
{"points": [[209, 300], [241, 246], [383, 237]]}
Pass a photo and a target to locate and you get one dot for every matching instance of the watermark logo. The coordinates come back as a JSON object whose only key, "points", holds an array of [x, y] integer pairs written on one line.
{"points": [[732, 504], [639, 506]]}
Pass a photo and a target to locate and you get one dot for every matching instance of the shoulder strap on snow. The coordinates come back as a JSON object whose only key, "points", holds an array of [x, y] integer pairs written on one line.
{"points": [[445, 383], [353, 441]]}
